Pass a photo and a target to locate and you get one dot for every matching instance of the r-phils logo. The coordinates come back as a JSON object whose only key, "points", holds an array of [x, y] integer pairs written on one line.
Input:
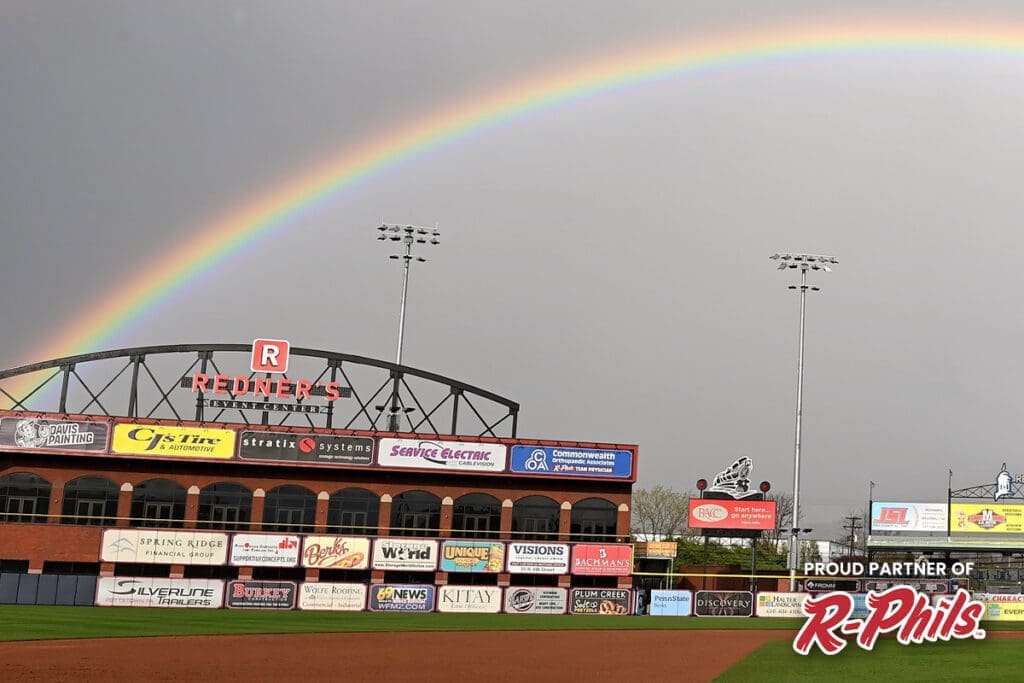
{"points": [[901, 608]]}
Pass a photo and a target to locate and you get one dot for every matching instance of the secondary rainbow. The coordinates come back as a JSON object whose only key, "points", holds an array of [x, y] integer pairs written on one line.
{"points": [[272, 210]]}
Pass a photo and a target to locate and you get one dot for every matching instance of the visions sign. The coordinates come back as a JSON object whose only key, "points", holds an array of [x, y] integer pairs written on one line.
{"points": [[537, 558]]}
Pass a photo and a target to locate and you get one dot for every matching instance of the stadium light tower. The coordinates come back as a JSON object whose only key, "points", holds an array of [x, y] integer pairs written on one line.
{"points": [[804, 262], [408, 235]]}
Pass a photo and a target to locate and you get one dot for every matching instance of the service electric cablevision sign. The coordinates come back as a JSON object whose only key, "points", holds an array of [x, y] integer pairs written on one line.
{"points": [[463, 456], [571, 462]]}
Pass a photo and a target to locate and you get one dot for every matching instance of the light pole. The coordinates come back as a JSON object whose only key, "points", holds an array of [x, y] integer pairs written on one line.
{"points": [[804, 262], [407, 235]]}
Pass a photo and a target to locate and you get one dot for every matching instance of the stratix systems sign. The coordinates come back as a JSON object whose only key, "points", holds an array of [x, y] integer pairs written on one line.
{"points": [[307, 448]]}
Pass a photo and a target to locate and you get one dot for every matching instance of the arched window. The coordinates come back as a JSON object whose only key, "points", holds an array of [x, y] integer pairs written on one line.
{"points": [[24, 497], [535, 518], [593, 519], [290, 509], [224, 505], [416, 513], [90, 500], [353, 511], [476, 515], [159, 503]]}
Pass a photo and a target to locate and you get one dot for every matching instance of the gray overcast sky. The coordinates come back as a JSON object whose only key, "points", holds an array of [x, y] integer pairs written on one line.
{"points": [[605, 262]]}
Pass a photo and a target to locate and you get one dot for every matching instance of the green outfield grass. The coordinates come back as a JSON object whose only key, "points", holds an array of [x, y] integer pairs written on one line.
{"points": [[961, 660]]}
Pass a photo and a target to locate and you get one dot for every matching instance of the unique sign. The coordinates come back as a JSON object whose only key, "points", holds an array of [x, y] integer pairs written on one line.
{"points": [[173, 442], [336, 597], [404, 554], [33, 433], [260, 594], [307, 448], [537, 558], [264, 550], [336, 552], [571, 462], [604, 601], [401, 598], [469, 599], [442, 455], [987, 518], [533, 600], [602, 559], [781, 604], [164, 547], [123, 591], [724, 604], [472, 556], [671, 603], [909, 517], [712, 513]]}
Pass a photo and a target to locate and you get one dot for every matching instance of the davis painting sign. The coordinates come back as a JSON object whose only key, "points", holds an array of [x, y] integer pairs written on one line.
{"points": [[31, 433]]}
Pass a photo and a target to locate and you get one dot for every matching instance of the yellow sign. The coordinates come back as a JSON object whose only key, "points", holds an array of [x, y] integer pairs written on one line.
{"points": [[1004, 608], [986, 518], [173, 442]]}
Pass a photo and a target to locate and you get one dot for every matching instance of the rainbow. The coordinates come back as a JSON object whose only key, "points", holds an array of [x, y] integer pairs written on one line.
{"points": [[272, 210]]}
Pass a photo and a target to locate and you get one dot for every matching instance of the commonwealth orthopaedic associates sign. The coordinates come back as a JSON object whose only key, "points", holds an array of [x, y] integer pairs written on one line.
{"points": [[602, 559], [563, 461], [714, 513], [32, 433], [173, 442], [442, 455], [909, 517], [123, 591], [164, 547]]}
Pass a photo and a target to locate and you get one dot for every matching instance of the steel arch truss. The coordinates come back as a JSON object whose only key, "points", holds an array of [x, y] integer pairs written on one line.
{"points": [[156, 382]]}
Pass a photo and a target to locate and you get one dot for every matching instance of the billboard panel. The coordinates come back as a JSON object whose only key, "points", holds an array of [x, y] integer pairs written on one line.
{"points": [[1003, 607], [173, 442], [724, 604], [670, 603], [122, 591], [909, 517], [392, 597], [264, 550], [453, 456], [986, 518], [602, 559], [603, 601], [537, 558], [245, 594], [485, 599], [781, 604], [562, 461], [335, 597], [472, 556], [324, 449], [33, 433], [404, 554], [713, 513], [531, 600], [932, 586], [164, 547], [336, 552]]}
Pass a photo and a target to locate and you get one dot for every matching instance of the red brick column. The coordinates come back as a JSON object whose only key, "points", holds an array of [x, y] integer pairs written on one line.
{"points": [[564, 521], [259, 497], [192, 507], [124, 504], [506, 520], [447, 505], [384, 517], [323, 500]]}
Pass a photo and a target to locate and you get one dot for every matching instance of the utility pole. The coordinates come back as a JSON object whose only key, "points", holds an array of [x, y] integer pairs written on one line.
{"points": [[854, 526]]}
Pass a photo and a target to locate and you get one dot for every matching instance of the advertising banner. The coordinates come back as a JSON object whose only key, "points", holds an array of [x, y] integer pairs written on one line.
{"points": [[469, 599], [932, 586], [562, 461], [334, 597], [306, 448], [260, 595], [724, 604], [33, 433], [472, 556], [173, 442], [987, 518], [604, 601], [264, 550], [602, 559], [909, 517], [781, 604], [829, 585], [336, 552], [391, 597], [404, 555], [122, 591], [666, 603], [531, 600], [716, 513], [1003, 607], [537, 558], [164, 547], [454, 456]]}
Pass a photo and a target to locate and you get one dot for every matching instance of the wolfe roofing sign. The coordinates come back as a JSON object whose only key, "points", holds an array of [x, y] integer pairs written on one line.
{"points": [[335, 597], [265, 550], [909, 517], [120, 591], [306, 448], [173, 442], [33, 433], [537, 558], [987, 518], [564, 461], [404, 555], [602, 559], [453, 456], [164, 547], [712, 513]]}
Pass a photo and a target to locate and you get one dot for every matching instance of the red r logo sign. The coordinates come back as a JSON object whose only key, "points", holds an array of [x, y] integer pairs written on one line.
{"points": [[270, 355]]}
